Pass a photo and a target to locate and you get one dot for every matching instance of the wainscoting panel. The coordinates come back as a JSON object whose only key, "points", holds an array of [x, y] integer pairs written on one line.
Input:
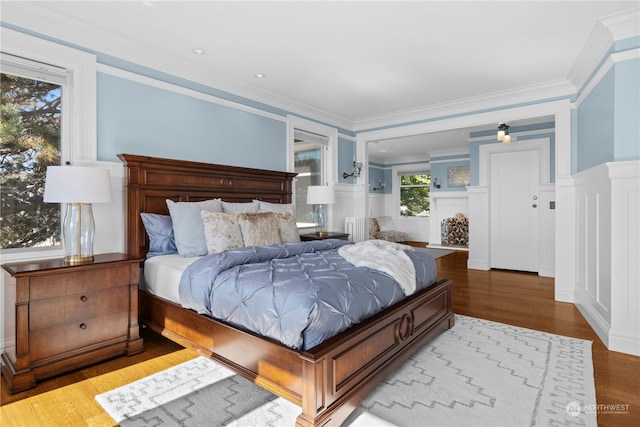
{"points": [[607, 200]]}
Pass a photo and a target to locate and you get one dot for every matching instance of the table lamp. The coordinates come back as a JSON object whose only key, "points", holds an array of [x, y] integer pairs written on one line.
{"points": [[78, 187], [320, 196]]}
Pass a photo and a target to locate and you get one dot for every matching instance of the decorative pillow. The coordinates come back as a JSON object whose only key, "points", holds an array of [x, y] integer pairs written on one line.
{"points": [[385, 223], [160, 231], [275, 207], [248, 207], [221, 231], [373, 225], [188, 228], [259, 228], [287, 227]]}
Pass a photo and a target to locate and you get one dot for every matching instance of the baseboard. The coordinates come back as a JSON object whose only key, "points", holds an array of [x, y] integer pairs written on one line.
{"points": [[546, 272], [597, 323], [478, 265], [624, 342]]}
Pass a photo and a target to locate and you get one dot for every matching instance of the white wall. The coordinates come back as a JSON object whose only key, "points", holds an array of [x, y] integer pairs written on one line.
{"points": [[607, 290], [445, 204]]}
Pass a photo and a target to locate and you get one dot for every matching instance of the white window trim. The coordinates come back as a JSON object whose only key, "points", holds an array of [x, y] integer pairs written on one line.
{"points": [[295, 122], [330, 157], [79, 142], [78, 139], [396, 172]]}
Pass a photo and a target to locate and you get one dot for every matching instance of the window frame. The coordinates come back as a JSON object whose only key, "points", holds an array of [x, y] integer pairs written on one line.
{"points": [[410, 169], [78, 134], [329, 157]]}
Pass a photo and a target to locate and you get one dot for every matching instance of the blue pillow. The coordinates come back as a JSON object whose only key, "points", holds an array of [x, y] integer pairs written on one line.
{"points": [[160, 231], [188, 227]]}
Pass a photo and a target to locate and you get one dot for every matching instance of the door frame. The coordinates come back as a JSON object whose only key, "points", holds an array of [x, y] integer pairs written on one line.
{"points": [[543, 147]]}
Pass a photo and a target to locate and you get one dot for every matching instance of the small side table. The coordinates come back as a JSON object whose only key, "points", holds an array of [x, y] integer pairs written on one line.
{"points": [[330, 235], [69, 316]]}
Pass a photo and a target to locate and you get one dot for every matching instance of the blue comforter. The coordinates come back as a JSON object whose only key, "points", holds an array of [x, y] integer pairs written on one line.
{"points": [[297, 293]]}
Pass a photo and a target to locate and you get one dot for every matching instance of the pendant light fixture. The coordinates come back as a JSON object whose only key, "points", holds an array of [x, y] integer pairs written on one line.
{"points": [[503, 134]]}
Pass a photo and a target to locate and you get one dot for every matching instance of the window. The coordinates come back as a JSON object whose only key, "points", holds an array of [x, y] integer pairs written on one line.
{"points": [[62, 81], [309, 157], [30, 130], [414, 194], [311, 153]]}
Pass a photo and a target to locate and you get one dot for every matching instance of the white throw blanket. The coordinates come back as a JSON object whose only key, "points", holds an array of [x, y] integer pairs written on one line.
{"points": [[388, 257]]}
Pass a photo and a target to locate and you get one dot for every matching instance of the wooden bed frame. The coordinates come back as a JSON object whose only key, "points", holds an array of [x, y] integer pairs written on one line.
{"points": [[327, 381]]}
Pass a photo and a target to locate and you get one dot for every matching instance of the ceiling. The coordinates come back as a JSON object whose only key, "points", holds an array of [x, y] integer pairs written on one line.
{"points": [[347, 62]]}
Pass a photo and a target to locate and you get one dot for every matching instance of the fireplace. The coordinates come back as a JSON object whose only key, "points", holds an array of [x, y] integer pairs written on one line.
{"points": [[455, 231]]}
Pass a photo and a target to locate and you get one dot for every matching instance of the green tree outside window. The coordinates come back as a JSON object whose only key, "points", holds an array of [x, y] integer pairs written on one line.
{"points": [[414, 195], [30, 129]]}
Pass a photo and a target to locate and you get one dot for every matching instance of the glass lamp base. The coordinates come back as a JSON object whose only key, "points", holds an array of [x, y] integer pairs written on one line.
{"points": [[78, 232], [322, 233]]}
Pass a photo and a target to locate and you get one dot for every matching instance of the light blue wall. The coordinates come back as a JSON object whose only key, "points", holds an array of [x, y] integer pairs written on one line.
{"points": [[346, 156], [596, 125], [139, 119], [378, 172], [627, 111], [608, 120], [440, 169]]}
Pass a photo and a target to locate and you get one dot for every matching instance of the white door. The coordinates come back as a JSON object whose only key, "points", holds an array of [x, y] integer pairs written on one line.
{"points": [[514, 186]]}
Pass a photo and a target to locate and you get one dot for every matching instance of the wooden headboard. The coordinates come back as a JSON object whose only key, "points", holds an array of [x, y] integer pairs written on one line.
{"points": [[149, 181]]}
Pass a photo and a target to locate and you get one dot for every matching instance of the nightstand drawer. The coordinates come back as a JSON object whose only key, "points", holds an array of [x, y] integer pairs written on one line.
{"points": [[46, 313], [65, 283], [59, 339], [68, 316]]}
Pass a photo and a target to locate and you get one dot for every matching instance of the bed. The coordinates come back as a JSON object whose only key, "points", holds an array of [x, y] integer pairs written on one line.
{"points": [[328, 380]]}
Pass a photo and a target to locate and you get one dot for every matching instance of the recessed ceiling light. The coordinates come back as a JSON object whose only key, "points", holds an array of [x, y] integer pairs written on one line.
{"points": [[259, 76], [198, 51]]}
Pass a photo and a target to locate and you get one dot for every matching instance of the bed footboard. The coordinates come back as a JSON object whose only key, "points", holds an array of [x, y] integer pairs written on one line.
{"points": [[341, 372], [327, 381]]}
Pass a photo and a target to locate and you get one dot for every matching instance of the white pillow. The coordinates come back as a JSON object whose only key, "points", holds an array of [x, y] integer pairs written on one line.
{"points": [[259, 228], [221, 231], [275, 207], [188, 228], [248, 207], [385, 223]]}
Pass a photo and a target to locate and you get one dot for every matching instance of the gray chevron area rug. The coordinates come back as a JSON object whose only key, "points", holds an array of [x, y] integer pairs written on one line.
{"points": [[479, 373]]}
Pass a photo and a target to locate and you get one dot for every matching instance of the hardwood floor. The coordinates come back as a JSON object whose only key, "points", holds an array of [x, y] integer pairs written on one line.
{"points": [[520, 299]]}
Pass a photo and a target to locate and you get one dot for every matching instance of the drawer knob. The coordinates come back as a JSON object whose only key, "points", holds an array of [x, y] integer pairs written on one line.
{"points": [[83, 326], [83, 298]]}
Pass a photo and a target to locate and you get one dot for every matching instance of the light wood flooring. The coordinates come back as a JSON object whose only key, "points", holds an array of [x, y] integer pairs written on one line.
{"points": [[520, 299]]}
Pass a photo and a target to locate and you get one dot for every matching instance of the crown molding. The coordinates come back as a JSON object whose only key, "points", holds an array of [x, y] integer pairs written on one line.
{"points": [[36, 18], [605, 33], [497, 100], [623, 25]]}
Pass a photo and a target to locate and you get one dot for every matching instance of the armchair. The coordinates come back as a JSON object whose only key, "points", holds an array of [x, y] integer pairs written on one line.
{"points": [[382, 228]]}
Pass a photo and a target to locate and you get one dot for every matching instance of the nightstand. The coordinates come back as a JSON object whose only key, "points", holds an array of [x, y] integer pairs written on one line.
{"points": [[330, 235], [67, 317]]}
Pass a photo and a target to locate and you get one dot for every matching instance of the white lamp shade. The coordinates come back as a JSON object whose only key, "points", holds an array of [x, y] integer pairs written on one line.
{"points": [[77, 184], [320, 195]]}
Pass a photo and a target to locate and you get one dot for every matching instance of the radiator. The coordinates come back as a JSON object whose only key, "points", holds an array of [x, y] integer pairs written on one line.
{"points": [[357, 228]]}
